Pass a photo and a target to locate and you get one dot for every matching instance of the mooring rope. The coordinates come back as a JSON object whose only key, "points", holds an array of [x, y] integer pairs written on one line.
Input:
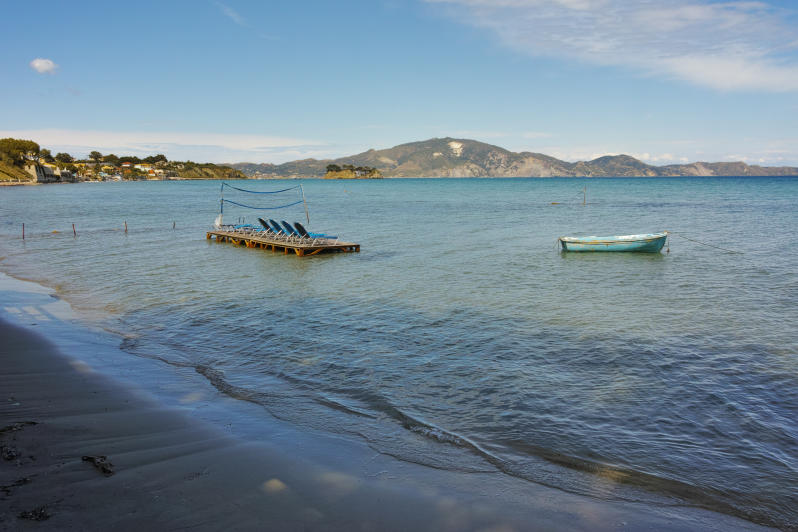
{"points": [[261, 208], [705, 244], [259, 191]]}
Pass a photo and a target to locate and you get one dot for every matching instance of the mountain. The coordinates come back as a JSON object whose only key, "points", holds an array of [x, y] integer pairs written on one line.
{"points": [[450, 157]]}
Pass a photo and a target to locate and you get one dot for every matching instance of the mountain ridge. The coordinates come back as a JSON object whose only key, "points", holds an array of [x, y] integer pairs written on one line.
{"points": [[451, 157]]}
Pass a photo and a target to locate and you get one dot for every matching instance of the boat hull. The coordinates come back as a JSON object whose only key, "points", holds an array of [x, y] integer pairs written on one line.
{"points": [[648, 243]]}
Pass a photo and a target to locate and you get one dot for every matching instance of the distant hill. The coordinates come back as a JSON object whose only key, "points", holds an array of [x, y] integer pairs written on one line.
{"points": [[208, 171], [450, 157]]}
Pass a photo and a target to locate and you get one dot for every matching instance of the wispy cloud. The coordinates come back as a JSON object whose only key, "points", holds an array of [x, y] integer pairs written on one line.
{"points": [[43, 66], [734, 45], [231, 13], [203, 147]]}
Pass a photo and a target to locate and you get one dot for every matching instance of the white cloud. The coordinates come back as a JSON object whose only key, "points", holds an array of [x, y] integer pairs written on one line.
{"points": [[232, 14], [43, 66], [733, 45], [201, 147]]}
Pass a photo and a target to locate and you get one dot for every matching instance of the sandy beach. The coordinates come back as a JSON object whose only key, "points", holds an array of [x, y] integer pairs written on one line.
{"points": [[82, 450]]}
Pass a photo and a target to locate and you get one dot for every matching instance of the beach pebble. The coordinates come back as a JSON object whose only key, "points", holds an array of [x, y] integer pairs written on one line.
{"points": [[101, 463]]}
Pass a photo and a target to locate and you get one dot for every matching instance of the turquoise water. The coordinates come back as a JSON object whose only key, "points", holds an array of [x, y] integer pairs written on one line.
{"points": [[459, 337]]}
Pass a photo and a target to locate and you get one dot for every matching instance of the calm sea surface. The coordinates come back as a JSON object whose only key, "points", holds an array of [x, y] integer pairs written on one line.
{"points": [[459, 337]]}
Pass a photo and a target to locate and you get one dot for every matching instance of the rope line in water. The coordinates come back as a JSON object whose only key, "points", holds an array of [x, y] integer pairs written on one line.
{"points": [[705, 244], [259, 191], [261, 208]]}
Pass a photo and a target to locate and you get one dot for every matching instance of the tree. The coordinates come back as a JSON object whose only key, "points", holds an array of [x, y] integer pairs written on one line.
{"points": [[111, 159], [18, 150], [46, 155], [63, 158], [333, 168], [95, 156], [160, 158]]}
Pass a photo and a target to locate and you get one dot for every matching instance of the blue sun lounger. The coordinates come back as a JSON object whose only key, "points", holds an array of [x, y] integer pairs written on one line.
{"points": [[276, 228], [307, 234], [290, 228]]}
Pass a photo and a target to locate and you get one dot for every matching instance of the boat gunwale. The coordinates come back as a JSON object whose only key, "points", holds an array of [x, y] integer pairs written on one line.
{"points": [[621, 239]]}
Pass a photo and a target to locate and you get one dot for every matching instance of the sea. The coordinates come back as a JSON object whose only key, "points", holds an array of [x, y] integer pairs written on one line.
{"points": [[460, 337]]}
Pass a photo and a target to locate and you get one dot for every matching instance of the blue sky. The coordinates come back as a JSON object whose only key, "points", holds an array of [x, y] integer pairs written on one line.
{"points": [[676, 81]]}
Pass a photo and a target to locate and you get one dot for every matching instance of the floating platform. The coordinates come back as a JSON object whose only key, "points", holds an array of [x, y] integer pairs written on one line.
{"points": [[303, 249]]}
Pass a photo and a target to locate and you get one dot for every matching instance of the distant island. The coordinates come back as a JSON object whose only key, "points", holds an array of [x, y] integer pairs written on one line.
{"points": [[24, 161], [449, 157], [349, 171]]}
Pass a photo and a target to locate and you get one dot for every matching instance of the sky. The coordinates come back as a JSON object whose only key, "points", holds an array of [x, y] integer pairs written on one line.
{"points": [[270, 81]]}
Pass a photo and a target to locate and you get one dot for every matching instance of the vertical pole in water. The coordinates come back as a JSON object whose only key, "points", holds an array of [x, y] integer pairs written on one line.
{"points": [[305, 203], [173, 225], [23, 231], [584, 195], [125, 226], [74, 233]]}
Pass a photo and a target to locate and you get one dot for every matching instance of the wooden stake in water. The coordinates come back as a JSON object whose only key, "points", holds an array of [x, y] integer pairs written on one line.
{"points": [[125, 226], [74, 233], [23, 231], [174, 224], [584, 195]]}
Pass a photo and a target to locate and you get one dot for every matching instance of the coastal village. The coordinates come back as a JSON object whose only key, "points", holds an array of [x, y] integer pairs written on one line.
{"points": [[44, 172], [24, 161]]}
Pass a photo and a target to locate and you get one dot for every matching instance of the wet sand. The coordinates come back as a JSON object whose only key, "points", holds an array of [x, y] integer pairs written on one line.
{"points": [[81, 450]]}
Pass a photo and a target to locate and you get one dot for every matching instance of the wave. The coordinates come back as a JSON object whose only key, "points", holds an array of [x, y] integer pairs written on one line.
{"points": [[592, 477]]}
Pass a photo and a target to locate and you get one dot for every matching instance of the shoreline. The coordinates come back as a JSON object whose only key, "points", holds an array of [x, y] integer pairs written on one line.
{"points": [[176, 467], [322, 178]]}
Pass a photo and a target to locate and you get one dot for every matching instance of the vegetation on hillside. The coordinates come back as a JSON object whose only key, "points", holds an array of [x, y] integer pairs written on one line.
{"points": [[9, 172], [14, 155], [192, 170]]}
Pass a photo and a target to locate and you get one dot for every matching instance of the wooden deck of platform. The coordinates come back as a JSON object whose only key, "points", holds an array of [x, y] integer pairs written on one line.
{"points": [[303, 249]]}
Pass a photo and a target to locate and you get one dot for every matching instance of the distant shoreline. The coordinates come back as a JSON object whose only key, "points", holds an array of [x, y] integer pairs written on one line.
{"points": [[592, 178]]}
